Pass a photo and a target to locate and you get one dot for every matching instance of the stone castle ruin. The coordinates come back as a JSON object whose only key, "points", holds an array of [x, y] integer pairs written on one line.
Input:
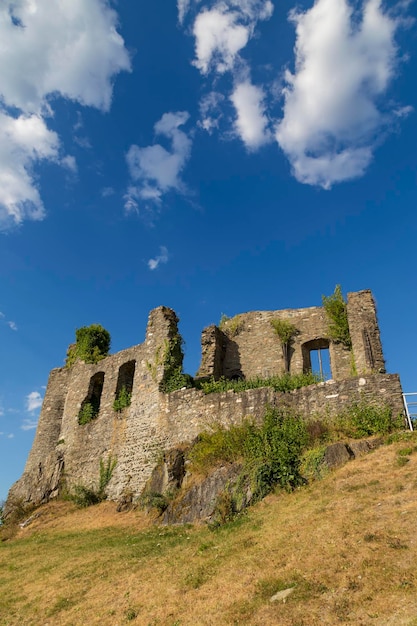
{"points": [[244, 347]]}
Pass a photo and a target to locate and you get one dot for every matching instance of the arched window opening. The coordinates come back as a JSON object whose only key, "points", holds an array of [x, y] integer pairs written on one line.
{"points": [[316, 358], [90, 406], [124, 386]]}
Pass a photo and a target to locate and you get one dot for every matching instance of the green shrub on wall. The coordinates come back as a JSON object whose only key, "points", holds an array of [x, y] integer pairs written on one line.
{"points": [[285, 331], [122, 400], [87, 413], [92, 343], [336, 311]]}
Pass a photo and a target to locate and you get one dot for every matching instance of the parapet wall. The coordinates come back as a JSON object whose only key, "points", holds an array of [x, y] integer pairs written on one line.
{"points": [[65, 451], [187, 412]]}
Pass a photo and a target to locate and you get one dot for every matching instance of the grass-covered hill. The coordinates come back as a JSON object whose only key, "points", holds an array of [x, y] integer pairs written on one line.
{"points": [[345, 545]]}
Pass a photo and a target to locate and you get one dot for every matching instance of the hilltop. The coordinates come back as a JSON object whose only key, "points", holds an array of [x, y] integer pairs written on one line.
{"points": [[346, 545]]}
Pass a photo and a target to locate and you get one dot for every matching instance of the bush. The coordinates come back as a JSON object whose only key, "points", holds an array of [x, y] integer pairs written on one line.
{"points": [[176, 380], [92, 343], [87, 413], [122, 400], [363, 419], [269, 453], [335, 307]]}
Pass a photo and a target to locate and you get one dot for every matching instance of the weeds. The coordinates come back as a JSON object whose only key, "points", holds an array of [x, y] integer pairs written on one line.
{"points": [[88, 496], [122, 400], [269, 453], [362, 419], [285, 382]]}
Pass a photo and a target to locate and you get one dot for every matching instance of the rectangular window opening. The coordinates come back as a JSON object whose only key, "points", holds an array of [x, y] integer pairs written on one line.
{"points": [[320, 363]]}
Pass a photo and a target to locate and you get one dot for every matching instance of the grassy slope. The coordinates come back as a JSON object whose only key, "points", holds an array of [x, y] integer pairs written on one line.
{"points": [[348, 544]]}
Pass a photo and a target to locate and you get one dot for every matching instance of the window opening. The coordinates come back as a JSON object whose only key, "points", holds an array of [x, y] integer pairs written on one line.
{"points": [[125, 377], [316, 358], [320, 363], [90, 406]]}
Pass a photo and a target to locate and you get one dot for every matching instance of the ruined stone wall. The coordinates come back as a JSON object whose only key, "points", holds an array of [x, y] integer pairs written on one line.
{"points": [[186, 413], [247, 346], [364, 332], [64, 450]]}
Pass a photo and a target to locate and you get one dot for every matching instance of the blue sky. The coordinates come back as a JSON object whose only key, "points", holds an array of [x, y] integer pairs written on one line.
{"points": [[212, 156]]}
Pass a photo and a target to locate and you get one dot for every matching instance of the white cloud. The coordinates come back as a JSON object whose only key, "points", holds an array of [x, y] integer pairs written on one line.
{"points": [[251, 122], [23, 140], [223, 30], [343, 66], [10, 436], [156, 170], [219, 38], [182, 6], [12, 325], [33, 401], [67, 49], [106, 192], [69, 163], [153, 264], [210, 111]]}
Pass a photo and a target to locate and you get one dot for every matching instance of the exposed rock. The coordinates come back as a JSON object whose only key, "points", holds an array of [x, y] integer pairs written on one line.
{"points": [[337, 454], [281, 596], [213, 496]]}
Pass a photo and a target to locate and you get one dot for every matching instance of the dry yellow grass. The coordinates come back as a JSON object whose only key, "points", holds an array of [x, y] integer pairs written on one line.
{"points": [[347, 544]]}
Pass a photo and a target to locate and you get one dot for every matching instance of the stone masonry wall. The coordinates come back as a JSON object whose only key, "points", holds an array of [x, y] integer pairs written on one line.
{"points": [[249, 347], [65, 451], [186, 413], [364, 332]]}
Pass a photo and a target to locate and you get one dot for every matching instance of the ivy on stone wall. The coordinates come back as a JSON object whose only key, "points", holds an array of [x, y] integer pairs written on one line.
{"points": [[92, 343], [173, 356]]}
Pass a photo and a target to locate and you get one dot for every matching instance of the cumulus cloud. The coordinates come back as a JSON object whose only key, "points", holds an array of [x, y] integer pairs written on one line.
{"points": [[23, 140], [332, 113], [155, 170], [64, 49], [12, 325], [162, 257], [251, 122], [223, 30], [33, 401], [69, 47]]}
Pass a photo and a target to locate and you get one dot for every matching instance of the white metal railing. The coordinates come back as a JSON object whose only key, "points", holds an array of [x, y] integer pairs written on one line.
{"points": [[410, 407]]}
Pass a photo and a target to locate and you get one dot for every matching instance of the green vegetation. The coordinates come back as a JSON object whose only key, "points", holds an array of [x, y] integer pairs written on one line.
{"points": [[231, 326], [285, 331], [363, 419], [173, 356], [87, 496], [122, 400], [285, 382], [269, 453], [92, 343], [88, 412], [335, 307]]}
